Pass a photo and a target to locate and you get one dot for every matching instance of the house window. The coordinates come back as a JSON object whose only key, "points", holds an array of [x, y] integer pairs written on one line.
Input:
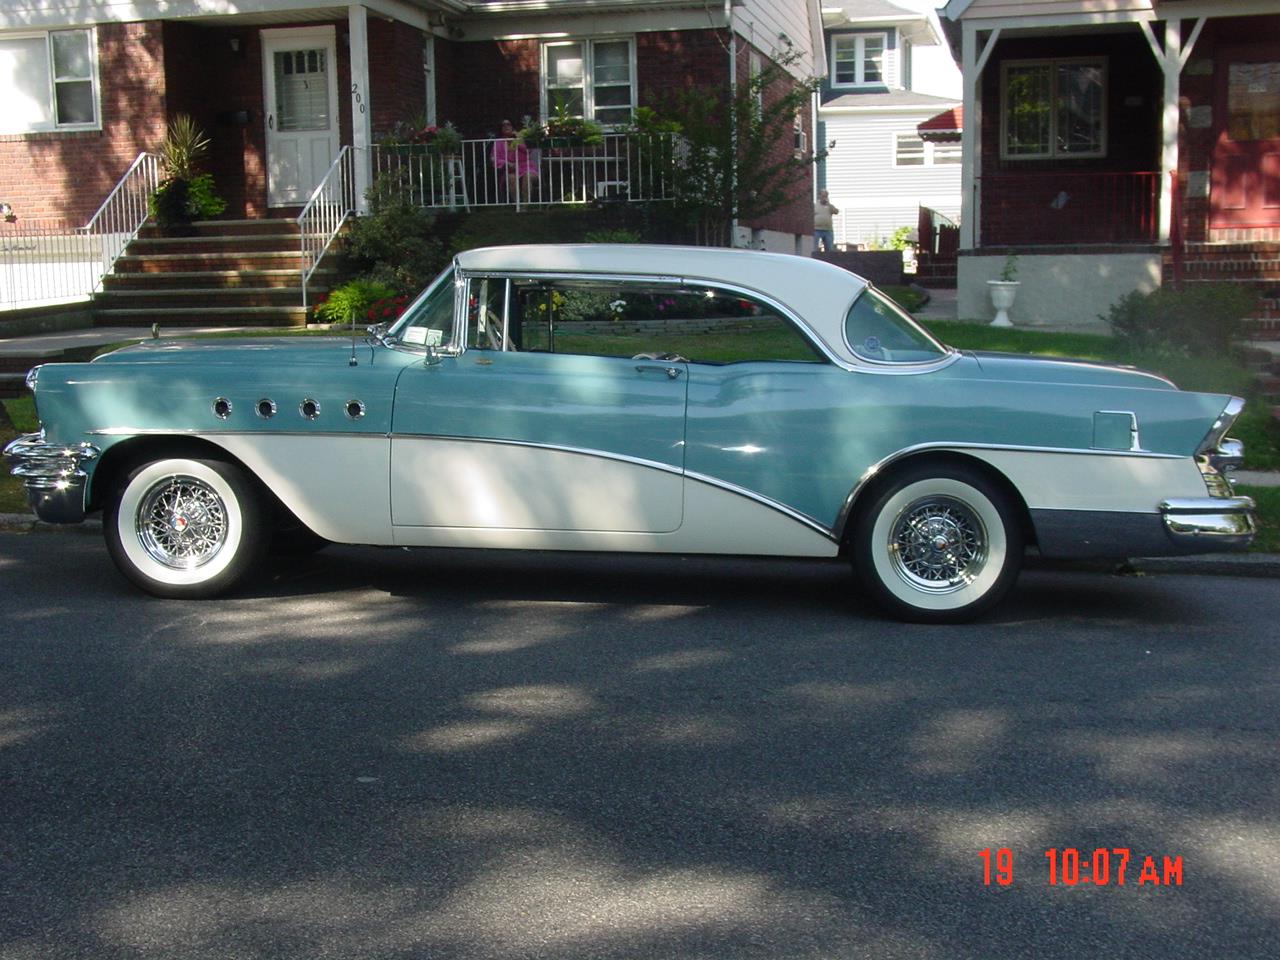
{"points": [[857, 59], [590, 78], [908, 151], [51, 81], [1053, 109], [947, 151]]}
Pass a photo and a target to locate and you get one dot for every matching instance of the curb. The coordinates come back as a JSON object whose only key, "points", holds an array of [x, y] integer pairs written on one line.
{"points": [[1205, 564]]}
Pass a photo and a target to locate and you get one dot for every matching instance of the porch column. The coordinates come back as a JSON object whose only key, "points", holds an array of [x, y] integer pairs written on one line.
{"points": [[1172, 58], [972, 65], [361, 116]]}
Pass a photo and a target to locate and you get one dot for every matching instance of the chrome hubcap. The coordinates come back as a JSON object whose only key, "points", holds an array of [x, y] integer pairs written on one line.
{"points": [[938, 544], [182, 522]]}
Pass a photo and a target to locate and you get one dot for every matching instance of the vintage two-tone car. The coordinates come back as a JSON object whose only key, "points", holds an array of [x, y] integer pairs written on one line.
{"points": [[634, 398]]}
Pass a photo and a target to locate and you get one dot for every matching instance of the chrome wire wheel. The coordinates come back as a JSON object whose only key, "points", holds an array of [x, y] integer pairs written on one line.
{"points": [[184, 526], [938, 544], [182, 523]]}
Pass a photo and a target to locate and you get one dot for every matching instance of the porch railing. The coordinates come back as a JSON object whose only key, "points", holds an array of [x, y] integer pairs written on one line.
{"points": [[495, 172], [44, 261], [1070, 207], [331, 203]]}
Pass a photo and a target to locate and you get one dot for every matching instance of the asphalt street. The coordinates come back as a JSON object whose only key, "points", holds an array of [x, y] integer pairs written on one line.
{"points": [[376, 753]]}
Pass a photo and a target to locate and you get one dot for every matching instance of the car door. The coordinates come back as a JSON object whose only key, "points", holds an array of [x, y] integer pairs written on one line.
{"points": [[515, 432]]}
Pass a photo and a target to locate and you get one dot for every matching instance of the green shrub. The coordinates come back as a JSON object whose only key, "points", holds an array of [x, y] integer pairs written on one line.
{"points": [[398, 244], [620, 235], [354, 302], [1198, 319]]}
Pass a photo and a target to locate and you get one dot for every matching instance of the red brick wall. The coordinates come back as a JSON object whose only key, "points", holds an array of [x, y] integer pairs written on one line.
{"points": [[796, 217], [398, 85], [677, 60], [480, 84], [67, 175]]}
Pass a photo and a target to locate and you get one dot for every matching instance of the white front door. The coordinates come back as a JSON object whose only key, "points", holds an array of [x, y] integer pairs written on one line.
{"points": [[299, 67]]}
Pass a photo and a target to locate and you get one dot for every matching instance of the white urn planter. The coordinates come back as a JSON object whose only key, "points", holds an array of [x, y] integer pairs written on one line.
{"points": [[1002, 296]]}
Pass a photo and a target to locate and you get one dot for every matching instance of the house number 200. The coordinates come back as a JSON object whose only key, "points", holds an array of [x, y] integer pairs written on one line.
{"points": [[355, 95]]}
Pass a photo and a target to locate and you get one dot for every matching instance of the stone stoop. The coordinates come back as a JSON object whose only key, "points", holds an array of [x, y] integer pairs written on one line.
{"points": [[232, 273]]}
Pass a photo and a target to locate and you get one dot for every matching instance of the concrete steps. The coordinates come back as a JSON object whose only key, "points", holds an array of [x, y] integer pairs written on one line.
{"points": [[231, 273]]}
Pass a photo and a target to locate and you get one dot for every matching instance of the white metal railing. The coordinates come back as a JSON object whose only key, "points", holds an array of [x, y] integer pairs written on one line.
{"points": [[496, 172], [331, 203], [44, 261]]}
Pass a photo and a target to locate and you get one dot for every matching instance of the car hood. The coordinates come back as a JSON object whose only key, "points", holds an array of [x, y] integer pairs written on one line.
{"points": [[274, 352], [1030, 369]]}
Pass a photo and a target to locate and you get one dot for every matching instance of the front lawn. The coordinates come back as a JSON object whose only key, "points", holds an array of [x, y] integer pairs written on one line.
{"points": [[17, 416]]}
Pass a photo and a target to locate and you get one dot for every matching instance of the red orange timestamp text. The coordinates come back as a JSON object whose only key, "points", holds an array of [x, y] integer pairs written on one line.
{"points": [[1101, 866]]}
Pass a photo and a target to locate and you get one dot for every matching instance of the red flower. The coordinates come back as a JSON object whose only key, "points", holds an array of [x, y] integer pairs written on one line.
{"points": [[372, 314], [388, 312]]}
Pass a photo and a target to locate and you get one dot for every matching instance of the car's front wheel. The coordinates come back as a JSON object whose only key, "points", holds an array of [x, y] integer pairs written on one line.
{"points": [[185, 527], [938, 544]]}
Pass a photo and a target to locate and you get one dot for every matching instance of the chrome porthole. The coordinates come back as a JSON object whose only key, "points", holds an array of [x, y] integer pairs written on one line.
{"points": [[355, 409], [221, 408], [266, 408], [182, 523], [310, 409], [938, 544]]}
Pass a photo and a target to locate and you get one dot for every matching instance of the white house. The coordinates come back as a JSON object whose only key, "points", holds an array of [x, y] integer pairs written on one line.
{"points": [[888, 71]]}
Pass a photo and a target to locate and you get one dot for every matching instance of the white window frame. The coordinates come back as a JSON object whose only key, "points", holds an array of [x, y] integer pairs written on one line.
{"points": [[1052, 63], [588, 73], [926, 158], [860, 60], [930, 152], [51, 84]]}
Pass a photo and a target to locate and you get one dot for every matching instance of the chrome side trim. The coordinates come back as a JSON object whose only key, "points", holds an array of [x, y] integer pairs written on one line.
{"points": [[842, 518], [189, 432], [1208, 505], [561, 448], [782, 508]]}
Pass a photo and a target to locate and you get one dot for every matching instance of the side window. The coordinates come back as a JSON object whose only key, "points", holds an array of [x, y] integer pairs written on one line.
{"points": [[486, 313], [619, 319]]}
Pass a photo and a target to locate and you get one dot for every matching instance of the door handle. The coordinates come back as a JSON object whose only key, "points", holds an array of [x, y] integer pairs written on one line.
{"points": [[271, 121], [671, 372]]}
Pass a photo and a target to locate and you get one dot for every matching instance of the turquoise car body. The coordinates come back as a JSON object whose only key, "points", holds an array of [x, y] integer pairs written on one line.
{"points": [[366, 440]]}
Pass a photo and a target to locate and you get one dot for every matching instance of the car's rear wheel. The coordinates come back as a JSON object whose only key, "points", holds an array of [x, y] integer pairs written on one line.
{"points": [[185, 527], [938, 544]]}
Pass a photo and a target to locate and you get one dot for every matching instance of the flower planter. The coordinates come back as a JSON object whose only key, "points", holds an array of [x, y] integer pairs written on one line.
{"points": [[1003, 293]]}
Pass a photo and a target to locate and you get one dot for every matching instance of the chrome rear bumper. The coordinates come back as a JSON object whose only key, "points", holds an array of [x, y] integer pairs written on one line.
{"points": [[1210, 523], [52, 475]]}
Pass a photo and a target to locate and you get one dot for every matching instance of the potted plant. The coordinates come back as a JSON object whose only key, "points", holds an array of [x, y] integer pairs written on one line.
{"points": [[1004, 290], [184, 195]]}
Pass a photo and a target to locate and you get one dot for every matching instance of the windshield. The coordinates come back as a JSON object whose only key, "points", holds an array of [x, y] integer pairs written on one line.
{"points": [[428, 321], [877, 329]]}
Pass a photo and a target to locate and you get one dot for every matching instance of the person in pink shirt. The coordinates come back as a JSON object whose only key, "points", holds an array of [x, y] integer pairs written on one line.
{"points": [[514, 160]]}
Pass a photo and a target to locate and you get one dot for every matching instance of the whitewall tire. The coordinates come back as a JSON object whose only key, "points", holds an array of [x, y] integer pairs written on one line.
{"points": [[185, 528], [938, 544]]}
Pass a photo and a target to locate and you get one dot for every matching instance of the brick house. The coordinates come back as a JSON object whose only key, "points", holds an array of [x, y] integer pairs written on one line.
{"points": [[1113, 145], [280, 87]]}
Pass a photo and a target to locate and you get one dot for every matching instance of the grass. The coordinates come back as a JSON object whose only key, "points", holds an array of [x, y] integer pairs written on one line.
{"points": [[16, 416], [1268, 498]]}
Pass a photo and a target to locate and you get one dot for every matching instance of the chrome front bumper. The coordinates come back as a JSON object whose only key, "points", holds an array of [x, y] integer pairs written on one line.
{"points": [[1200, 524], [52, 474]]}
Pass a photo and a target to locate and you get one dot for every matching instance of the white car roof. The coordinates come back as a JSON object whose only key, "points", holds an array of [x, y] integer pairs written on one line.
{"points": [[818, 292]]}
